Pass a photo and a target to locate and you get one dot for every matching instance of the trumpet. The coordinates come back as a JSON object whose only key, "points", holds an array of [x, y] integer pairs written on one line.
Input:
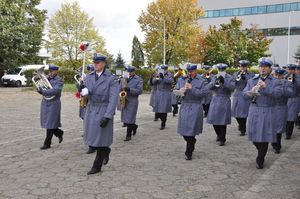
{"points": [[207, 74], [179, 73], [41, 81], [239, 76], [290, 78]]}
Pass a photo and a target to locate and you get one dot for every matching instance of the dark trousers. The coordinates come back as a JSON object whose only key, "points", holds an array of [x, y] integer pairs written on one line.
{"points": [[289, 129], [221, 132], [130, 129], [242, 124], [175, 109], [277, 145], [102, 154], [205, 109], [190, 145], [156, 116], [49, 134], [262, 148], [163, 118]]}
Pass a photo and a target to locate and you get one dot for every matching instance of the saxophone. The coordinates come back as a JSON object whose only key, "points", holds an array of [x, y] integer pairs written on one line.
{"points": [[123, 94]]}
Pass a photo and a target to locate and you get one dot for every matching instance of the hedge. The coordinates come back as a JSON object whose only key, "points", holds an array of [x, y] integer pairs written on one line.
{"points": [[68, 75]]}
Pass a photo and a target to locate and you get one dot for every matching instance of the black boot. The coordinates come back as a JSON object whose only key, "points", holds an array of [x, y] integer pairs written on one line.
{"points": [[134, 129], [190, 146], [91, 150], [156, 116], [163, 117], [106, 158], [97, 165], [175, 109], [59, 133], [128, 134], [47, 142]]}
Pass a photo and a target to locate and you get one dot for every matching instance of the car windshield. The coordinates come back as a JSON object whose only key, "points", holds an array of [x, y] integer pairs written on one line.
{"points": [[13, 71]]}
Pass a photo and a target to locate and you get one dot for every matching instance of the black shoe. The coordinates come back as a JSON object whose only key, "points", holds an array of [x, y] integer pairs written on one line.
{"points": [[91, 150], [134, 130], [277, 151], [188, 157], [45, 147], [288, 137], [243, 134], [222, 143], [127, 139], [217, 139], [124, 125], [162, 127], [93, 171], [259, 166], [106, 159], [60, 137]]}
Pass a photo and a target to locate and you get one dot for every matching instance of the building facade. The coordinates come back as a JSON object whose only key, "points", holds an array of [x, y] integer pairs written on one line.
{"points": [[278, 19]]}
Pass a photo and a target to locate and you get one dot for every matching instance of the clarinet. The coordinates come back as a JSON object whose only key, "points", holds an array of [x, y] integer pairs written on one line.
{"points": [[263, 79]]}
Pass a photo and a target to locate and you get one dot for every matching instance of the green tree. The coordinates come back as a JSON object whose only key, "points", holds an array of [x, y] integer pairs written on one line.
{"points": [[178, 18], [68, 28], [229, 44], [137, 53], [120, 63], [21, 31], [297, 54]]}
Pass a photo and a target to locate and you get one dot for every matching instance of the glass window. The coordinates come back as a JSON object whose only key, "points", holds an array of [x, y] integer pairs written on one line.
{"points": [[286, 7], [235, 12], [228, 12], [241, 11], [222, 13], [271, 8], [279, 8], [209, 14], [254, 10], [295, 31], [294, 6], [248, 11], [298, 6], [262, 9], [216, 13]]}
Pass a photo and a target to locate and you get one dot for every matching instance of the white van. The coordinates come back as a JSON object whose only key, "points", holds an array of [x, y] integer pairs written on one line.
{"points": [[16, 77]]}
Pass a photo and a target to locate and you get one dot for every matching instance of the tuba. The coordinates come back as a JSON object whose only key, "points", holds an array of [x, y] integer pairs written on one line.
{"points": [[41, 81]]}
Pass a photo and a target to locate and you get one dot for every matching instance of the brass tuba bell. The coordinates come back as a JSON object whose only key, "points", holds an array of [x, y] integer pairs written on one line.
{"points": [[41, 81]]}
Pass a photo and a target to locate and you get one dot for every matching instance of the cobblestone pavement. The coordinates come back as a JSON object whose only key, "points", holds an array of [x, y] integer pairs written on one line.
{"points": [[152, 165]]}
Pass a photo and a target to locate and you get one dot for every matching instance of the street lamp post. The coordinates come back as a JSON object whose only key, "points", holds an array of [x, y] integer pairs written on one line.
{"points": [[164, 42], [289, 34]]}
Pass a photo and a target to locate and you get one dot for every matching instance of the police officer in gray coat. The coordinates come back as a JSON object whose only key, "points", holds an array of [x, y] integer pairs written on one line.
{"points": [[163, 102], [190, 120], [51, 107], [219, 114], [240, 105], [262, 89], [207, 75], [280, 112], [102, 91], [133, 88], [293, 102], [153, 94]]}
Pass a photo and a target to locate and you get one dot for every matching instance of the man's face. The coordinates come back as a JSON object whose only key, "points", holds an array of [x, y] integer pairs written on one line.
{"points": [[298, 72], [131, 74], [243, 68], [278, 76], [265, 70], [99, 66], [192, 73], [52, 73], [290, 71]]}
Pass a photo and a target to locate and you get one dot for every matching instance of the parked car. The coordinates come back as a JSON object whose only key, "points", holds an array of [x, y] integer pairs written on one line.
{"points": [[16, 77]]}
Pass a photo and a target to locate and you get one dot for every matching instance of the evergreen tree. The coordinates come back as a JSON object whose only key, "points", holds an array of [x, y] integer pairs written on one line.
{"points": [[137, 54], [21, 31], [119, 61]]}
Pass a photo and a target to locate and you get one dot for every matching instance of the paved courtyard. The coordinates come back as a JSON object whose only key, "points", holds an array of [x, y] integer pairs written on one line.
{"points": [[151, 165]]}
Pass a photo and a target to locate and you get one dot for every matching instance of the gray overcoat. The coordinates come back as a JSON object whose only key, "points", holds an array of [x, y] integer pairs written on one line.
{"points": [[102, 102], [50, 109]]}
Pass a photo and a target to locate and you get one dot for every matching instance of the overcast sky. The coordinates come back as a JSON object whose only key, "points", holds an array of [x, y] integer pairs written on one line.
{"points": [[116, 20]]}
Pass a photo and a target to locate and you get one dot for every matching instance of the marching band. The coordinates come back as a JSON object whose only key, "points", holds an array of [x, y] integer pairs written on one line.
{"points": [[267, 102]]}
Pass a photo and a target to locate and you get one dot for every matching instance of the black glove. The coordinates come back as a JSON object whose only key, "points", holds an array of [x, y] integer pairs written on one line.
{"points": [[161, 75], [221, 79], [104, 121], [39, 90], [127, 89], [243, 76], [80, 87]]}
